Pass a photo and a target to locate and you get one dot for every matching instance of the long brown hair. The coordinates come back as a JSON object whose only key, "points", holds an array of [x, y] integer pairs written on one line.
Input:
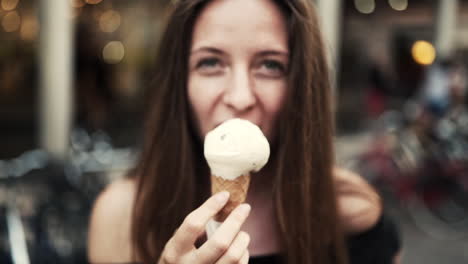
{"points": [[172, 175]]}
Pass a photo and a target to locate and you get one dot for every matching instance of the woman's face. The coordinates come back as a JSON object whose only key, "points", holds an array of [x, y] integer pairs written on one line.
{"points": [[238, 64]]}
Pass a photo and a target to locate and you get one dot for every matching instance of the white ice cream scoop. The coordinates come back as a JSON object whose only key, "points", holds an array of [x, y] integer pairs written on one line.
{"points": [[236, 147]]}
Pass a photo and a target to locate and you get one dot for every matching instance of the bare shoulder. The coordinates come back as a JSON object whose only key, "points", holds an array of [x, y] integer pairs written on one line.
{"points": [[359, 204], [346, 175], [110, 223]]}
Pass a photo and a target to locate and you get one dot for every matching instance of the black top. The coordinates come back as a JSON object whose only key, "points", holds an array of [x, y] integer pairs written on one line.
{"points": [[378, 245]]}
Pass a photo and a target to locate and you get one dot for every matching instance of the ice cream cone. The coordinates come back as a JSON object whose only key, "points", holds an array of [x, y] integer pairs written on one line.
{"points": [[237, 187]]}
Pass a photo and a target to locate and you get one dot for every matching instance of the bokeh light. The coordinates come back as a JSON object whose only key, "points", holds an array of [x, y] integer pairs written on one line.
{"points": [[398, 5], [113, 52], [9, 5], [11, 21], [29, 28], [365, 6], [93, 2], [423, 52], [109, 21]]}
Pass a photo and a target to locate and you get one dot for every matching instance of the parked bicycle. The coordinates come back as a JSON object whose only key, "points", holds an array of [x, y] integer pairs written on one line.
{"points": [[45, 204], [423, 163]]}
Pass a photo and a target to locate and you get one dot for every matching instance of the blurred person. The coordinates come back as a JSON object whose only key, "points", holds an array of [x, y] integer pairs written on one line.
{"points": [[436, 89], [442, 97], [430, 104], [453, 125], [457, 91], [263, 61], [435, 94]]}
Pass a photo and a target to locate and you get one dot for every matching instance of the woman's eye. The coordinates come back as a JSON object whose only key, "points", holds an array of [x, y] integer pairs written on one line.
{"points": [[273, 65], [208, 63], [272, 68]]}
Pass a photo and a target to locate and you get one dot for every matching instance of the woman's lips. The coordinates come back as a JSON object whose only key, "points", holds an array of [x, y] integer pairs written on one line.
{"points": [[256, 123]]}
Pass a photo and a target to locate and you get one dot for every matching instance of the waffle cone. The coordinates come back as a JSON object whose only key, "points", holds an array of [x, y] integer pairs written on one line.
{"points": [[237, 188]]}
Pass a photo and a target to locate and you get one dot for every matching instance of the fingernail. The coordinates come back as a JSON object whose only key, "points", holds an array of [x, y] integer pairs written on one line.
{"points": [[244, 209], [222, 197]]}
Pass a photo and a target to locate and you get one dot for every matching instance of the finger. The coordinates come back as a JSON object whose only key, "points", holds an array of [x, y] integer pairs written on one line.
{"points": [[194, 224], [221, 240], [245, 258], [237, 249]]}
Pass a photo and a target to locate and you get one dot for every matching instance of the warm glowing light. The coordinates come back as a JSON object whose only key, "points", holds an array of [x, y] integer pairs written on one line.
{"points": [[109, 21], [11, 21], [423, 52], [93, 2], [365, 6], [113, 52], [29, 28], [9, 5], [398, 5], [77, 3]]}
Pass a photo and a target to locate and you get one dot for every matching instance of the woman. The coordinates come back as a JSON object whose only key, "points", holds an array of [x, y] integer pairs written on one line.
{"points": [[258, 60]]}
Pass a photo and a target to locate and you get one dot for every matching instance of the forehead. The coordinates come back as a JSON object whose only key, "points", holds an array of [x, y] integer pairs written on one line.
{"points": [[248, 21]]}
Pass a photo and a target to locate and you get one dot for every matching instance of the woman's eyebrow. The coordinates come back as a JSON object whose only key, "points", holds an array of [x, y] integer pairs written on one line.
{"points": [[207, 49], [221, 52], [272, 52]]}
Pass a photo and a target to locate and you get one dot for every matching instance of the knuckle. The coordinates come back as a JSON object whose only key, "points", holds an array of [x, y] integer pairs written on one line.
{"points": [[213, 208], [211, 205], [170, 254], [238, 216], [235, 218], [233, 256], [169, 257], [235, 253], [192, 224], [245, 258], [220, 246]]}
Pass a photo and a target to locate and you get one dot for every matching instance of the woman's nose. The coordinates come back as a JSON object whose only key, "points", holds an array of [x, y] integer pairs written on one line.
{"points": [[239, 94]]}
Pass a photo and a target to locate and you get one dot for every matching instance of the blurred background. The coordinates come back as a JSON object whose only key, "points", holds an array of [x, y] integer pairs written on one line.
{"points": [[73, 75]]}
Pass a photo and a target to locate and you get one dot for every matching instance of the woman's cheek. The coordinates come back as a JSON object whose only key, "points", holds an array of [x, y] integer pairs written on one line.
{"points": [[203, 94], [273, 95]]}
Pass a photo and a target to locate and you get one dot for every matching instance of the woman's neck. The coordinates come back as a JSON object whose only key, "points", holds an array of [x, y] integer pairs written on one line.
{"points": [[261, 224]]}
